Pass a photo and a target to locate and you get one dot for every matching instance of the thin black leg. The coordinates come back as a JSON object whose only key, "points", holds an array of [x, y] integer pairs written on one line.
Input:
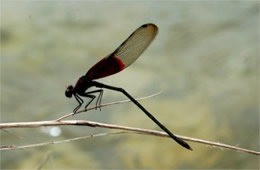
{"points": [[98, 102], [178, 140], [92, 97], [80, 101], [99, 99]]}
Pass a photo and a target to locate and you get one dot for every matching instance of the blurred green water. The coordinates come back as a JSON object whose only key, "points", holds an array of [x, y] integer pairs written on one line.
{"points": [[205, 59]]}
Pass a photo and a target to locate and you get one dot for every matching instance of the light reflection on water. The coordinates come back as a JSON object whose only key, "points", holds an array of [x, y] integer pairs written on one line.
{"points": [[205, 59], [52, 131]]}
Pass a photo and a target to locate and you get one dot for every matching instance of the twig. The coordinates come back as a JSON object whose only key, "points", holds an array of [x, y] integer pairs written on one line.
{"points": [[111, 126], [107, 104], [44, 161], [14, 147]]}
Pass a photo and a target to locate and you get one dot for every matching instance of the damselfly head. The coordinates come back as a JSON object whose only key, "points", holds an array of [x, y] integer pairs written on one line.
{"points": [[69, 91]]}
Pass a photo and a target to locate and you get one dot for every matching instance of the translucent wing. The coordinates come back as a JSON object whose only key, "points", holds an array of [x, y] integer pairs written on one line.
{"points": [[125, 54], [136, 43]]}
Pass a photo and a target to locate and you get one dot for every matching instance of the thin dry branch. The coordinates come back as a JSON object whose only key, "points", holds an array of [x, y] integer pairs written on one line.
{"points": [[111, 126], [107, 104], [14, 147]]}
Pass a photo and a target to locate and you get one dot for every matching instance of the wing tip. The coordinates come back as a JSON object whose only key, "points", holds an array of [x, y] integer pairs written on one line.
{"points": [[150, 25]]}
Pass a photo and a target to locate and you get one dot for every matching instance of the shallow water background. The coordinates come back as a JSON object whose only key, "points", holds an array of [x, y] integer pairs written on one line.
{"points": [[205, 59]]}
